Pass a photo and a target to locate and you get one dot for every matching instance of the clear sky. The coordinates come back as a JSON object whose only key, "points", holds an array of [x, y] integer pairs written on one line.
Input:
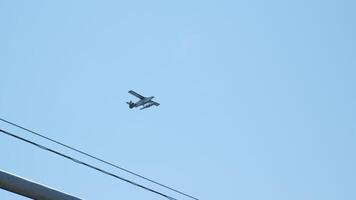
{"points": [[258, 98]]}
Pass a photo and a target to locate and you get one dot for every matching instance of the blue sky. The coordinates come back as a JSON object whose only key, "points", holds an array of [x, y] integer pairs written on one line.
{"points": [[257, 97]]}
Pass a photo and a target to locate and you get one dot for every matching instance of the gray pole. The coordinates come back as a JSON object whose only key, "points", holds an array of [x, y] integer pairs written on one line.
{"points": [[30, 189]]}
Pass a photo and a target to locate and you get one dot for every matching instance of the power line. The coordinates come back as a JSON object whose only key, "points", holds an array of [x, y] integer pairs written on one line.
{"points": [[86, 164], [96, 158]]}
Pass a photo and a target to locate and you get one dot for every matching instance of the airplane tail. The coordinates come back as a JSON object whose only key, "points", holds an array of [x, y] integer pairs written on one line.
{"points": [[131, 104]]}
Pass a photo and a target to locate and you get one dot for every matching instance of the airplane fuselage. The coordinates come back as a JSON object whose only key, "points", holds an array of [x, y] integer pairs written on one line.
{"points": [[143, 101]]}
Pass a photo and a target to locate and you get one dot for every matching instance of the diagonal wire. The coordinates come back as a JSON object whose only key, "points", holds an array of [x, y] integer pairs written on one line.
{"points": [[98, 159], [86, 164]]}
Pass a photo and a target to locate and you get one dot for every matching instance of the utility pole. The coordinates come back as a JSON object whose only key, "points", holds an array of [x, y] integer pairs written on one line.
{"points": [[31, 189]]}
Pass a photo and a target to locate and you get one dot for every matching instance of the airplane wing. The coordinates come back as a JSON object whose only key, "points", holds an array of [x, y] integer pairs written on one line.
{"points": [[151, 103], [136, 94], [154, 103]]}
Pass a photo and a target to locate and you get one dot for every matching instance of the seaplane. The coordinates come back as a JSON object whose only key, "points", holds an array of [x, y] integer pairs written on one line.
{"points": [[145, 102]]}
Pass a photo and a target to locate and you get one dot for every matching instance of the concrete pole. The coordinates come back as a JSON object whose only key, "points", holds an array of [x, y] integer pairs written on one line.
{"points": [[30, 189]]}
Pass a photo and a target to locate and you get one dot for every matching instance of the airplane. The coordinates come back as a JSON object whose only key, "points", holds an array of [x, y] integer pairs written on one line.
{"points": [[145, 102]]}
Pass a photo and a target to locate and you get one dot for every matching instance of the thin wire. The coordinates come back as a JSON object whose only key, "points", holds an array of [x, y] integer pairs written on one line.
{"points": [[96, 158], [86, 164]]}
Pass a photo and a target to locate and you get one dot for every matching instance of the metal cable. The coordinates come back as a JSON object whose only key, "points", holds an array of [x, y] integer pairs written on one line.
{"points": [[96, 158], [86, 164]]}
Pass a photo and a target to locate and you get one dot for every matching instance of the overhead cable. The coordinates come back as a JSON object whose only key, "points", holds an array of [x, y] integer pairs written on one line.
{"points": [[96, 158], [86, 164]]}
